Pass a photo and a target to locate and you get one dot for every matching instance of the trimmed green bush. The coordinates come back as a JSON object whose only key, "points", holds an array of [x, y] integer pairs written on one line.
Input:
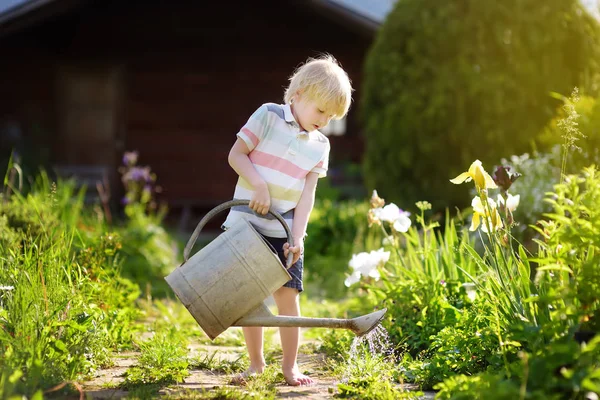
{"points": [[450, 82]]}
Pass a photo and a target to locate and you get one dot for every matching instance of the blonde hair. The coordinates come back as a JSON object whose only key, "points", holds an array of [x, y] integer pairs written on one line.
{"points": [[324, 81]]}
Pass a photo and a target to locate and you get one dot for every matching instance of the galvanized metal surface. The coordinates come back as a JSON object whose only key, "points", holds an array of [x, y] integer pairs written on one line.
{"points": [[229, 277], [226, 282]]}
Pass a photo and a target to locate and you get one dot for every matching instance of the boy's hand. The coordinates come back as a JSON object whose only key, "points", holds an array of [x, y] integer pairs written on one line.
{"points": [[261, 201], [296, 251]]}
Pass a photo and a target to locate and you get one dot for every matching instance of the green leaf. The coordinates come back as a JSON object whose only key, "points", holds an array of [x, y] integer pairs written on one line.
{"points": [[555, 267], [60, 345], [38, 395], [15, 376]]}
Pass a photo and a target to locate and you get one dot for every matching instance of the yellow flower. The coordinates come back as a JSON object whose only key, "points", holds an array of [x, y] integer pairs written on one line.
{"points": [[481, 213], [476, 172]]}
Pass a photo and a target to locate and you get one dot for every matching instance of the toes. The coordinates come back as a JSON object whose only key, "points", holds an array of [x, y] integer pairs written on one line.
{"points": [[307, 381], [292, 381], [301, 380]]}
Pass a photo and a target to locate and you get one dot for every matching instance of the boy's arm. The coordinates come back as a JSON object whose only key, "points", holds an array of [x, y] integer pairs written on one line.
{"points": [[239, 161], [301, 215]]}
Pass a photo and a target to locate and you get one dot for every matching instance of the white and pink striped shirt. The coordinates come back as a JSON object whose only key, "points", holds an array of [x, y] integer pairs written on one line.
{"points": [[283, 154]]}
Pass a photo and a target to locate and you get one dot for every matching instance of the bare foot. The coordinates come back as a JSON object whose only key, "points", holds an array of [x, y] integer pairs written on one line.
{"points": [[295, 378], [243, 377]]}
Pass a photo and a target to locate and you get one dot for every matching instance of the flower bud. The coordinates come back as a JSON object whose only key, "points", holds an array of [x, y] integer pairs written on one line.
{"points": [[376, 201]]}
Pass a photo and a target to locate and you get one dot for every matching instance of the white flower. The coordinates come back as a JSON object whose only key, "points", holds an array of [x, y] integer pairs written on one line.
{"points": [[401, 224], [392, 214], [365, 264], [388, 241], [374, 273], [7, 288], [512, 202], [352, 279], [470, 289]]}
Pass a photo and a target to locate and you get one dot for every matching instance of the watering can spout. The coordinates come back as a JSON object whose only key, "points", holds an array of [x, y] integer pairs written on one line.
{"points": [[261, 316]]}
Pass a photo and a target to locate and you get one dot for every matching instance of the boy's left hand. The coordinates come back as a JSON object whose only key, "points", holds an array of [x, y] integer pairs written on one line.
{"points": [[297, 251]]}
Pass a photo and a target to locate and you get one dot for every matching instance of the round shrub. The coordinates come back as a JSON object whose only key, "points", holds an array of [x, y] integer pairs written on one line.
{"points": [[450, 82]]}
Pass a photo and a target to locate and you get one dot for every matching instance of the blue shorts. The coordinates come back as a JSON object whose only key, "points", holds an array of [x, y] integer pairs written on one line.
{"points": [[295, 270]]}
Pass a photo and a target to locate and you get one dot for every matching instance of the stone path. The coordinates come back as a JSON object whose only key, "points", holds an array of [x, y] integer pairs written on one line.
{"points": [[103, 385]]}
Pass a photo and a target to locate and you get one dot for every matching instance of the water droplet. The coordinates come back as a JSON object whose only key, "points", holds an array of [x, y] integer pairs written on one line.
{"points": [[375, 343]]}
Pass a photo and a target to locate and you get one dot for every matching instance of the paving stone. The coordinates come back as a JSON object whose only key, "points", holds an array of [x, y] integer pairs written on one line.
{"points": [[103, 385]]}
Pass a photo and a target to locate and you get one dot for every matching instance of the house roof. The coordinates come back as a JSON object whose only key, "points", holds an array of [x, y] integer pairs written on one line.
{"points": [[17, 14], [374, 10], [368, 14], [593, 6], [11, 9], [365, 14]]}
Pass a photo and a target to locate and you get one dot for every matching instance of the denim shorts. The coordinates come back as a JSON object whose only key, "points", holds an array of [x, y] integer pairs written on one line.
{"points": [[295, 270]]}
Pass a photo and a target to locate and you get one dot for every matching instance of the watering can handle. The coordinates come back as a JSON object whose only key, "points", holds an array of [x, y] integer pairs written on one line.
{"points": [[225, 206]]}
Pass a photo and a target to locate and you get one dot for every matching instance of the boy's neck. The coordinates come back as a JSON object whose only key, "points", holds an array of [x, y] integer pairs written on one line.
{"points": [[293, 111], [296, 118]]}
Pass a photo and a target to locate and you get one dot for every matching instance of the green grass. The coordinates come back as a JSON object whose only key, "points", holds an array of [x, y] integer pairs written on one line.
{"points": [[212, 361]]}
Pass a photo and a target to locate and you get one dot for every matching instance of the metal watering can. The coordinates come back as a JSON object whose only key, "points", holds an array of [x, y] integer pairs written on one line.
{"points": [[226, 282]]}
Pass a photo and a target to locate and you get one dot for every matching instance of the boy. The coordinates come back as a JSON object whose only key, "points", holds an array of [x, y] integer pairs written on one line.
{"points": [[279, 154]]}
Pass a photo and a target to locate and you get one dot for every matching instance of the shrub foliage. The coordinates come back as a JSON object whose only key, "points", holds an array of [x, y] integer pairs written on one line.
{"points": [[449, 82]]}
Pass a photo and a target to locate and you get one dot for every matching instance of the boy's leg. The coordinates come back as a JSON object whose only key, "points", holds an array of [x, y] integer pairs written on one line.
{"points": [[254, 343], [288, 304]]}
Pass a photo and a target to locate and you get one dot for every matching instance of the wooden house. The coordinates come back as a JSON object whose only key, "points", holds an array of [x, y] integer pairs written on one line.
{"points": [[83, 81]]}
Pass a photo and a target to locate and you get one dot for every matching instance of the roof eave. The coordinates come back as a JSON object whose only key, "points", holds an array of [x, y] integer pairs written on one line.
{"points": [[358, 22], [21, 9], [32, 12]]}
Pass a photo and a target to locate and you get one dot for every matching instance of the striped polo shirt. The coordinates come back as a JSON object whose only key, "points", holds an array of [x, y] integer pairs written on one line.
{"points": [[283, 154]]}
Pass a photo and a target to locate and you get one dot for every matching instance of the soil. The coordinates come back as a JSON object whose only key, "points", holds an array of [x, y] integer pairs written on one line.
{"points": [[105, 384]]}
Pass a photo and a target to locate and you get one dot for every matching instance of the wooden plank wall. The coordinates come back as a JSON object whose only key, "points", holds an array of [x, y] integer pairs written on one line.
{"points": [[195, 71], [27, 101], [187, 101]]}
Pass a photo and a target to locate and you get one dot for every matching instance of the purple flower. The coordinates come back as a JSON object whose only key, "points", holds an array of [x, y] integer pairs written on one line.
{"points": [[130, 157], [140, 174], [125, 200], [443, 282], [504, 178]]}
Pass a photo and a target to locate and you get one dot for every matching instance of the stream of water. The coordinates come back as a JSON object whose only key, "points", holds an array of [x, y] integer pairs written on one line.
{"points": [[374, 344]]}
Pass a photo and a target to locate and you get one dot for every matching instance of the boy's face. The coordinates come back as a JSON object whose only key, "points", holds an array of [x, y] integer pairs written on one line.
{"points": [[309, 114]]}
